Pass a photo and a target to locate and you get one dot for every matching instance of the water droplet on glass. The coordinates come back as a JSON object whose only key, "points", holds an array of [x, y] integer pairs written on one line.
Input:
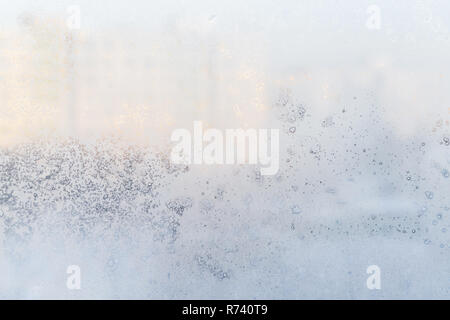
{"points": [[446, 141], [296, 210]]}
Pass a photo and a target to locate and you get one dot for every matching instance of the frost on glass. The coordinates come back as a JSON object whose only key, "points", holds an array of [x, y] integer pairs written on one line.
{"points": [[86, 179]]}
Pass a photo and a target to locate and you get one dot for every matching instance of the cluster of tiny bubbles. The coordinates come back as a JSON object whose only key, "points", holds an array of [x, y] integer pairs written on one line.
{"points": [[289, 111], [346, 146]]}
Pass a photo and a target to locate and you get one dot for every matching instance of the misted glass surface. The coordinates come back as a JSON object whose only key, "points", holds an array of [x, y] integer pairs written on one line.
{"points": [[93, 205]]}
